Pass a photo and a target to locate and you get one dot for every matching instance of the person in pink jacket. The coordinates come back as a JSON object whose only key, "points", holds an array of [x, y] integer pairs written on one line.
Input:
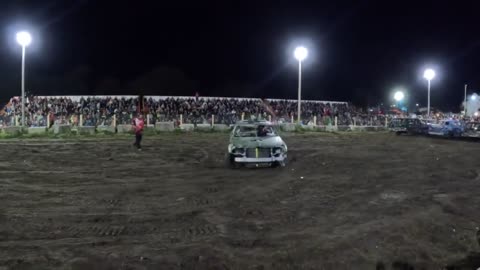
{"points": [[138, 125]]}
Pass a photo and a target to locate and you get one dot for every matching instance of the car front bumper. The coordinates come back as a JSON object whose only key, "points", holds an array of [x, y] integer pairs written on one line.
{"points": [[260, 160]]}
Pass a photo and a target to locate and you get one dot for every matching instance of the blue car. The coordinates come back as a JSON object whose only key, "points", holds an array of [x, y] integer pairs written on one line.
{"points": [[446, 128]]}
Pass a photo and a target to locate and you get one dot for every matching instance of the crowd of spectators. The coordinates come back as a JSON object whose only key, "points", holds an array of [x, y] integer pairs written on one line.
{"points": [[94, 111]]}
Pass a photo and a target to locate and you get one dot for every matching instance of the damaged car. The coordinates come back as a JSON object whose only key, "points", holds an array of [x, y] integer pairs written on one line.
{"points": [[448, 128], [256, 142]]}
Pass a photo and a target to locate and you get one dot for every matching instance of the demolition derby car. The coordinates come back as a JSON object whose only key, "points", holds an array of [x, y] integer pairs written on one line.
{"points": [[411, 126], [472, 129], [256, 142], [447, 128]]}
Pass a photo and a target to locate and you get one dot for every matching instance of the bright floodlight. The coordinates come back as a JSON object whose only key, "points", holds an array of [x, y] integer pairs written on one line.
{"points": [[398, 96], [300, 53], [24, 38], [474, 97], [429, 74]]}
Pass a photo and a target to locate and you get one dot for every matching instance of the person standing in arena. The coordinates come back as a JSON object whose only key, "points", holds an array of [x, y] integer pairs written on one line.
{"points": [[138, 125]]}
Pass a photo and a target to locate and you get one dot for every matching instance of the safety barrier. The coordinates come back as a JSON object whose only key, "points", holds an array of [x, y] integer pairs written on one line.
{"points": [[172, 126], [62, 129], [86, 130], [124, 128], [37, 130]]}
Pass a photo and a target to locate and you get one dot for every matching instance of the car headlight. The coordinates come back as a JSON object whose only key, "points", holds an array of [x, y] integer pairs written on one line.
{"points": [[238, 151], [277, 150]]}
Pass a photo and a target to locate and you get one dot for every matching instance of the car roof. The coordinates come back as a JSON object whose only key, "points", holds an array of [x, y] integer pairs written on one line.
{"points": [[253, 123]]}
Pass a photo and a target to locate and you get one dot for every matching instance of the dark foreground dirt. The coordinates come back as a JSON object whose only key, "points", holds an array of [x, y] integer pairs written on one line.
{"points": [[351, 201]]}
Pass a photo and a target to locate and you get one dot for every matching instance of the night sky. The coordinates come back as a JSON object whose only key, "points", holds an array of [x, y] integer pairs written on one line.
{"points": [[359, 51]]}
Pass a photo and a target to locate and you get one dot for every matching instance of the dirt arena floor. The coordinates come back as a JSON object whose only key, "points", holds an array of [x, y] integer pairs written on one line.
{"points": [[344, 201]]}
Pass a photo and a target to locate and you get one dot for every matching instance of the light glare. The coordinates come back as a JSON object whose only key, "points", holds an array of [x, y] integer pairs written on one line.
{"points": [[300, 53], [429, 74], [24, 38], [474, 97], [398, 96]]}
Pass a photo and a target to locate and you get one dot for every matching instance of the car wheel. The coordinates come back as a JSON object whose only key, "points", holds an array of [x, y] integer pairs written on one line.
{"points": [[279, 164], [230, 161]]}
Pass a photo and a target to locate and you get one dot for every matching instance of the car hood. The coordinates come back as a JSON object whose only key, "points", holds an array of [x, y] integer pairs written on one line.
{"points": [[252, 142]]}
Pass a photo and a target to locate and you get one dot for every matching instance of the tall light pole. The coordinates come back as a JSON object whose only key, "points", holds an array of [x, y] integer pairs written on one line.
{"points": [[300, 54], [429, 74], [24, 39]]}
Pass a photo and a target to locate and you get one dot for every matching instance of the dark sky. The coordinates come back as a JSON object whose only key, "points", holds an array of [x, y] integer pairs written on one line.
{"points": [[359, 50]]}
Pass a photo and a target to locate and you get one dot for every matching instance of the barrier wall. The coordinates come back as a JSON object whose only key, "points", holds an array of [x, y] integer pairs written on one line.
{"points": [[220, 127], [61, 129], [187, 127], [106, 129], [37, 130], [170, 127], [203, 127], [124, 128], [86, 130], [12, 130]]}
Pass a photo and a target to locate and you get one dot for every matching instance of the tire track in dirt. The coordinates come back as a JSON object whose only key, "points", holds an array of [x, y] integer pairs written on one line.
{"points": [[185, 234]]}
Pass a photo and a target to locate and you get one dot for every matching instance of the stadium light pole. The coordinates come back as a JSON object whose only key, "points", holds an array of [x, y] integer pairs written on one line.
{"points": [[429, 74], [24, 39], [300, 54]]}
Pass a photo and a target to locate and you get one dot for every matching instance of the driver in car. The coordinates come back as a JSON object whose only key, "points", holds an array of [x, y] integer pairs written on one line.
{"points": [[262, 131]]}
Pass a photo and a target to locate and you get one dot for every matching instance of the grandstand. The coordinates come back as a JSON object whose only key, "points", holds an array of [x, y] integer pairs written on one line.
{"points": [[114, 110]]}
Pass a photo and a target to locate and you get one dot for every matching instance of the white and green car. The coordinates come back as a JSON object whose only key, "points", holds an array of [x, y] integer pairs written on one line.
{"points": [[256, 142]]}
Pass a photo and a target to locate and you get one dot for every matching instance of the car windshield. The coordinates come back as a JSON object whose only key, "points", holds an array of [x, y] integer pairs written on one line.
{"points": [[254, 131], [245, 131]]}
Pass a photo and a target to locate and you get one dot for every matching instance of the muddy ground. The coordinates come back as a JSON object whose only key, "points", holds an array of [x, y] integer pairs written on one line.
{"points": [[345, 201]]}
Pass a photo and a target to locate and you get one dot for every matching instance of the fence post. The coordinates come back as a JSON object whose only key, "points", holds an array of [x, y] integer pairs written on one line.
{"points": [[48, 120], [181, 119], [291, 118], [243, 116], [315, 120], [213, 120], [336, 121], [114, 120], [80, 124], [269, 118], [386, 122], [148, 120], [354, 121]]}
